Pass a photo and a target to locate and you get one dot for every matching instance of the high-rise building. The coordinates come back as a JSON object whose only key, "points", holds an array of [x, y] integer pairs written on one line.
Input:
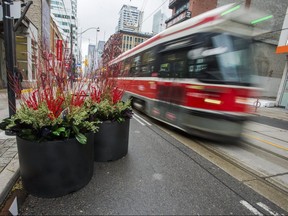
{"points": [[64, 13], [99, 52], [91, 58], [158, 22], [130, 19]]}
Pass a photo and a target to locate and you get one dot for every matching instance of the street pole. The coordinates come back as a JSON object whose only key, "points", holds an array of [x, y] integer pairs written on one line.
{"points": [[94, 54], [9, 41], [71, 57], [96, 50]]}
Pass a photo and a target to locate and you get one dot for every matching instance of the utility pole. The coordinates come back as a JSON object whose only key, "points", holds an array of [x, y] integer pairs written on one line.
{"points": [[71, 56], [9, 41], [10, 50]]}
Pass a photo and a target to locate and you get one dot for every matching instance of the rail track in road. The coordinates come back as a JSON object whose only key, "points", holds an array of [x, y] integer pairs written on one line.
{"points": [[271, 190], [233, 157]]}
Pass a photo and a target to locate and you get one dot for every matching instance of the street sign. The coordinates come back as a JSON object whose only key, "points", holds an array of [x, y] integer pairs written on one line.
{"points": [[59, 50]]}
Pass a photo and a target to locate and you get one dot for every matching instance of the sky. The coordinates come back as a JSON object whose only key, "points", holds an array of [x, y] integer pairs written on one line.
{"points": [[105, 14]]}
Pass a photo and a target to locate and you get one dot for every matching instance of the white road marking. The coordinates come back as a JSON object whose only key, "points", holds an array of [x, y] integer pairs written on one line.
{"points": [[266, 208], [138, 120], [142, 119], [250, 208]]}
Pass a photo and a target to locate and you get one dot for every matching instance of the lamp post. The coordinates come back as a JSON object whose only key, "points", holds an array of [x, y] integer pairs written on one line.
{"points": [[97, 30]]}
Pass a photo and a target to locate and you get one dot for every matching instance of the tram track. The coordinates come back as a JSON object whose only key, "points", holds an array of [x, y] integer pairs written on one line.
{"points": [[257, 175], [239, 171], [246, 142]]}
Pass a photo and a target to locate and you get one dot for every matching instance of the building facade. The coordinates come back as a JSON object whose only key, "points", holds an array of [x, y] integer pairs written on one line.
{"points": [[158, 22], [130, 19], [185, 9], [91, 59], [64, 13], [120, 42], [33, 33], [132, 39]]}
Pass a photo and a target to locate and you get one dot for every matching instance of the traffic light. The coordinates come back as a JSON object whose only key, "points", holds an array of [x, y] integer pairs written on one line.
{"points": [[86, 62]]}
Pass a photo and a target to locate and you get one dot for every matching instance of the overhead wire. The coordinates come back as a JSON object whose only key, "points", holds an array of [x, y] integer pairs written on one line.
{"points": [[144, 5], [154, 12]]}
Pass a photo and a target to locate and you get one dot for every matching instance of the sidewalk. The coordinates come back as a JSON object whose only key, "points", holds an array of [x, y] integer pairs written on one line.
{"points": [[9, 166], [267, 108]]}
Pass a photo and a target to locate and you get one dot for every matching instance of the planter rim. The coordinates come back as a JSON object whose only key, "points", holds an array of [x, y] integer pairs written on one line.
{"points": [[56, 140]]}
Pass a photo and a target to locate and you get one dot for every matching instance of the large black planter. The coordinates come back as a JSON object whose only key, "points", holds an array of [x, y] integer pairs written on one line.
{"points": [[111, 141], [55, 168]]}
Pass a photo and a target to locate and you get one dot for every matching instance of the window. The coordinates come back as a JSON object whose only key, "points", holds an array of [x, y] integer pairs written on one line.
{"points": [[148, 57], [173, 64]]}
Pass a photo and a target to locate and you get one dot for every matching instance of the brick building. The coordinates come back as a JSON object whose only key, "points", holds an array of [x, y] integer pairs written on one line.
{"points": [[185, 9], [120, 42]]}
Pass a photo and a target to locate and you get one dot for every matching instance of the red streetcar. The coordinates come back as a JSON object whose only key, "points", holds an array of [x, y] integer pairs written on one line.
{"points": [[198, 74]]}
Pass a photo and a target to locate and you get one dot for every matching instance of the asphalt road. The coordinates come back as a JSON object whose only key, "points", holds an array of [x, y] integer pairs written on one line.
{"points": [[159, 176]]}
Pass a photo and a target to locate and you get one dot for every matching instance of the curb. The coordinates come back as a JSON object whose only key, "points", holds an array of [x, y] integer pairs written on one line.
{"points": [[8, 178], [10, 173]]}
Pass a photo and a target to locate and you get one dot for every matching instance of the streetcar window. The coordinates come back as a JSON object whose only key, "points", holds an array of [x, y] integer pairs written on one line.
{"points": [[235, 64], [196, 68], [148, 57], [223, 59], [173, 64], [165, 70], [144, 71], [165, 67], [179, 69]]}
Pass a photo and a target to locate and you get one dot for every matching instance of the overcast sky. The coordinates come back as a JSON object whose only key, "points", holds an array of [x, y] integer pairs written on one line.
{"points": [[105, 14]]}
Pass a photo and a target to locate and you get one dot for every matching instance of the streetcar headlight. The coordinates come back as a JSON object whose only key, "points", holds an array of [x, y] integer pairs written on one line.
{"points": [[213, 101]]}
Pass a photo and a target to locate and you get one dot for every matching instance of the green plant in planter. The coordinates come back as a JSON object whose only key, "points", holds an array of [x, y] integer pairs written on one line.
{"points": [[59, 118], [108, 106], [107, 111]]}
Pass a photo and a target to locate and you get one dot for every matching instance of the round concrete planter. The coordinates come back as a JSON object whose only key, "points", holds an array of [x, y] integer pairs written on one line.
{"points": [[55, 168], [111, 141]]}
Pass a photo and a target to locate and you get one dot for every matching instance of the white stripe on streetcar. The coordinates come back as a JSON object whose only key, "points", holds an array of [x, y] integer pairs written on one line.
{"points": [[142, 119], [250, 208], [138, 120], [266, 208]]}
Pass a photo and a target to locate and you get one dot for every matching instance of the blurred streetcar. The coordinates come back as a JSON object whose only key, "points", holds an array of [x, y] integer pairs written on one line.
{"points": [[196, 75]]}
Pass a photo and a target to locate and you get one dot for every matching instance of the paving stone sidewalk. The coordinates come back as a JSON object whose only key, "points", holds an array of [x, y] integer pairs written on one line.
{"points": [[9, 165]]}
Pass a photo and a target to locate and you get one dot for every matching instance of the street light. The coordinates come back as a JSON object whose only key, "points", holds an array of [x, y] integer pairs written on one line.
{"points": [[97, 30]]}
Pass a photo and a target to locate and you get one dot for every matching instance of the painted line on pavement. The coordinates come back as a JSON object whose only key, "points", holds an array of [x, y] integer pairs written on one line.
{"points": [[267, 142], [138, 120], [250, 207], [139, 117], [266, 208]]}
